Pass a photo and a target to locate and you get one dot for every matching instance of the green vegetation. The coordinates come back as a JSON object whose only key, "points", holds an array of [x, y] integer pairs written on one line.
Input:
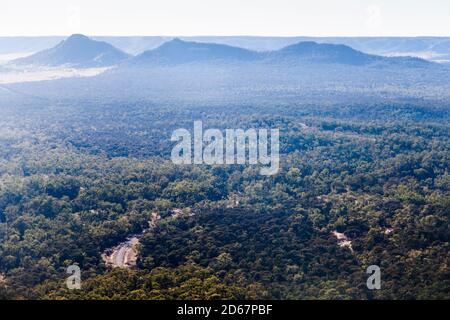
{"points": [[72, 186]]}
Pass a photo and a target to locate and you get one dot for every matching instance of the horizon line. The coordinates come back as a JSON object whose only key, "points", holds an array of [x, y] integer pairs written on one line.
{"points": [[225, 36]]}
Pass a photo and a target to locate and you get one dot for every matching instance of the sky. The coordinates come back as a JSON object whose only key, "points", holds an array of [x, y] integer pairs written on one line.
{"points": [[226, 17]]}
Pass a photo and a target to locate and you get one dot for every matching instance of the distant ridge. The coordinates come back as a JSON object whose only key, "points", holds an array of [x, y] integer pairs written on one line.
{"points": [[310, 51], [76, 51], [80, 51], [178, 51], [436, 49]]}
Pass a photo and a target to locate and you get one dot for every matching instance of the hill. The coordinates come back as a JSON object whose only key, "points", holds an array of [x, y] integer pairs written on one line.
{"points": [[76, 51]]}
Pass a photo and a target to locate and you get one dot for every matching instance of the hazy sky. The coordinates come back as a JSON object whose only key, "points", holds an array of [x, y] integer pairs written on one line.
{"points": [[226, 17]]}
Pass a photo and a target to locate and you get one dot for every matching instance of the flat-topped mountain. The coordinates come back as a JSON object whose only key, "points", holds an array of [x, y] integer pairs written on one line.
{"points": [[178, 51], [323, 53]]}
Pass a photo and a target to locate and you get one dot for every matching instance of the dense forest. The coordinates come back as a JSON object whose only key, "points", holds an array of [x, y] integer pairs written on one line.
{"points": [[78, 178]]}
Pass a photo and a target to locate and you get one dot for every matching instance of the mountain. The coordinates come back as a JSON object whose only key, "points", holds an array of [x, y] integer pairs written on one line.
{"points": [[324, 53], [76, 51], [430, 48], [178, 51], [313, 52]]}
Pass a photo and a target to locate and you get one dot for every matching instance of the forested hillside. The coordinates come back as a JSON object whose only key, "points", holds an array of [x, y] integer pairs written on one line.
{"points": [[79, 177]]}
